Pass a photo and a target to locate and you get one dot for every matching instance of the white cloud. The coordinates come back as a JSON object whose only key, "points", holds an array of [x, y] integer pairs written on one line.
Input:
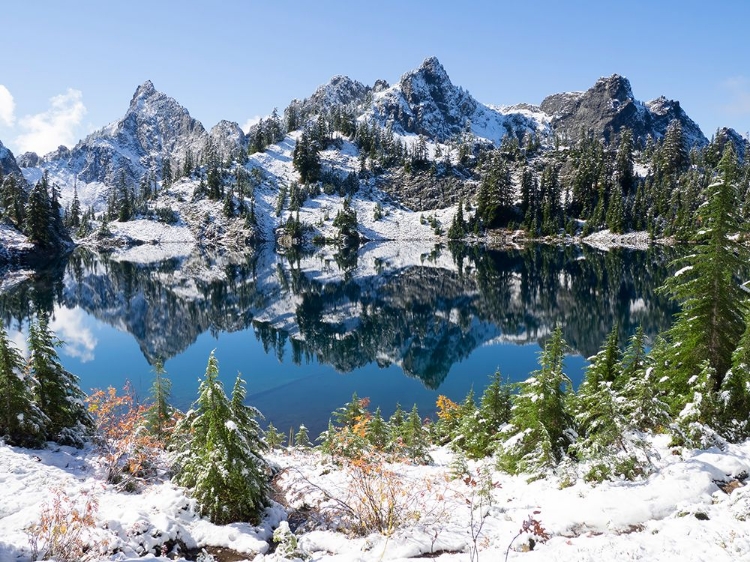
{"points": [[738, 89], [18, 338], [250, 122], [7, 107], [47, 130], [68, 325]]}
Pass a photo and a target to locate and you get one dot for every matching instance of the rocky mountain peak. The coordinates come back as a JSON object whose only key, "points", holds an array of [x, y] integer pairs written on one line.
{"points": [[616, 87], [145, 90], [431, 71], [609, 106], [340, 90], [426, 102]]}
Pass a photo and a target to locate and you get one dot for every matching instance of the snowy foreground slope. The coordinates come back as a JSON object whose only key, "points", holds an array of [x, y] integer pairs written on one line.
{"points": [[678, 513]]}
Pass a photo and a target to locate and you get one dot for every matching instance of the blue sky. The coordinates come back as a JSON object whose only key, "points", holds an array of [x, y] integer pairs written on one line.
{"points": [[71, 67]]}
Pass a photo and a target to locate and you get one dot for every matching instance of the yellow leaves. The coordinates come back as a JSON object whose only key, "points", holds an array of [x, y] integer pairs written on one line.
{"points": [[447, 409]]}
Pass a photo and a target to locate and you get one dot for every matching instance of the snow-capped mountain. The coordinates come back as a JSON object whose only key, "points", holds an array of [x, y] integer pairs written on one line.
{"points": [[426, 102], [154, 127], [609, 105], [423, 102]]}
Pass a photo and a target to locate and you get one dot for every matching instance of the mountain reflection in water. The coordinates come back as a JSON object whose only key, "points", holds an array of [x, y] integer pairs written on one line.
{"points": [[421, 308]]}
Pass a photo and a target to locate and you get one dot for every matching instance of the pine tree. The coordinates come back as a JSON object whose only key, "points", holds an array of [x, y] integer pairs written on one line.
{"points": [[21, 421], [377, 430], [396, 426], [219, 457], [735, 392], [604, 431], [415, 438], [13, 201], [75, 209], [39, 215], [160, 412], [696, 422], [302, 438], [56, 390], [541, 426], [166, 172], [605, 364], [274, 437], [714, 303]]}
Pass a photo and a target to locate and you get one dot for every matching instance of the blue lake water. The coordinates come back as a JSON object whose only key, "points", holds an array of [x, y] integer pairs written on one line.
{"points": [[395, 323]]}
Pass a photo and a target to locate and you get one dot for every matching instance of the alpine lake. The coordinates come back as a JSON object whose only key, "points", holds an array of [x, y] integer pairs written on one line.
{"points": [[396, 322]]}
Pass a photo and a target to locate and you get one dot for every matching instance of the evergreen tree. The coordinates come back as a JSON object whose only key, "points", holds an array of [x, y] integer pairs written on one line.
{"points": [[735, 392], [13, 200], [377, 430], [166, 173], [415, 438], [479, 427], [541, 426], [39, 215], [274, 437], [124, 200], [713, 301], [21, 421], [160, 412], [56, 390], [396, 426], [457, 229], [696, 422], [605, 364], [75, 209], [302, 438], [219, 457]]}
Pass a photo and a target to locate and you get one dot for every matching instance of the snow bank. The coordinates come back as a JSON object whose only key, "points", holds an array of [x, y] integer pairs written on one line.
{"points": [[677, 513]]}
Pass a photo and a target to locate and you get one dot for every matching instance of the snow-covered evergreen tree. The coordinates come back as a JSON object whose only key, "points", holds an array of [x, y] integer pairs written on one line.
{"points": [[274, 438], [219, 452], [302, 437], [695, 424], [415, 438], [57, 391], [21, 421], [479, 427], [735, 392], [714, 303], [541, 426]]}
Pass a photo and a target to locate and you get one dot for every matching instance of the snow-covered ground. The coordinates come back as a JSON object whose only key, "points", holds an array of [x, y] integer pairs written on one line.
{"points": [[13, 244], [680, 512]]}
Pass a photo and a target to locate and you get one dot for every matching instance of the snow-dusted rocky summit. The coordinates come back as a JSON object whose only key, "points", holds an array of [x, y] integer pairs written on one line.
{"points": [[609, 105], [154, 127], [424, 104]]}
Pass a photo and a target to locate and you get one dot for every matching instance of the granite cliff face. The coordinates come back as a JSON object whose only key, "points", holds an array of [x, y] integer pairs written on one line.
{"points": [[609, 106]]}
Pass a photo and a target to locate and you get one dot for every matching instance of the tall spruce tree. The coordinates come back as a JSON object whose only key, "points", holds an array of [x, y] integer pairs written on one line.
{"points": [[57, 391], [219, 453], [541, 425], [714, 303], [21, 421], [159, 412]]}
